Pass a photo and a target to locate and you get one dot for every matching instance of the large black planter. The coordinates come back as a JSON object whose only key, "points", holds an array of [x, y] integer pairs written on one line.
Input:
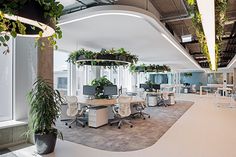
{"points": [[45, 144]]}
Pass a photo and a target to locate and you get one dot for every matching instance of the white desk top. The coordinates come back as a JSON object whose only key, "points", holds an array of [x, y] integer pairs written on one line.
{"points": [[106, 102]]}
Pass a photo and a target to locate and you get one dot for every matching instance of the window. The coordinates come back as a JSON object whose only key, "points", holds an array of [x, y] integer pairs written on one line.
{"points": [[230, 78], [215, 78], [61, 82], [5, 86]]}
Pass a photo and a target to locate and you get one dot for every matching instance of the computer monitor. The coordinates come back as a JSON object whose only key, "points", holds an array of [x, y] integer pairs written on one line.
{"points": [[144, 86], [110, 90], [156, 86], [89, 90]]}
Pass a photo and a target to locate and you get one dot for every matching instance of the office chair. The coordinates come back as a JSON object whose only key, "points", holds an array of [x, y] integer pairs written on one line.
{"points": [[122, 111], [140, 107], [193, 88], [73, 111], [164, 99]]}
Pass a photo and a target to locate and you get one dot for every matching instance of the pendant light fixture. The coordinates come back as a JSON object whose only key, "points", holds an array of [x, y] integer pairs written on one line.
{"points": [[31, 14]]}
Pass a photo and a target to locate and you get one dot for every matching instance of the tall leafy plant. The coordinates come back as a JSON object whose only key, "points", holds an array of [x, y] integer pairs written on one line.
{"points": [[44, 104]]}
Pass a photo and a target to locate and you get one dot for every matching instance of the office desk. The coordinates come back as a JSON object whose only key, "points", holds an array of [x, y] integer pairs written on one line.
{"points": [[106, 102], [201, 87], [225, 90]]}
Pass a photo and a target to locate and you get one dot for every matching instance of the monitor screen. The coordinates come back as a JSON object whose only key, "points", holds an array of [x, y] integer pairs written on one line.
{"points": [[89, 90], [156, 86], [110, 90], [144, 86]]}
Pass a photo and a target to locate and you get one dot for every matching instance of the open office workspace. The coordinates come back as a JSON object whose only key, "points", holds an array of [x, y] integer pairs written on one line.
{"points": [[118, 78]]}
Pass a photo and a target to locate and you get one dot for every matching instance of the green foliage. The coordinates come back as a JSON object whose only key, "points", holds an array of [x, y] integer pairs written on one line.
{"points": [[51, 8], [100, 83], [44, 104], [188, 74], [149, 68], [220, 19], [113, 55]]}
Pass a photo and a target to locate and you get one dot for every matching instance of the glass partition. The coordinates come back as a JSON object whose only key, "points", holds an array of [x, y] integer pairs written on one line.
{"points": [[230, 78], [61, 72], [6, 86], [215, 78]]}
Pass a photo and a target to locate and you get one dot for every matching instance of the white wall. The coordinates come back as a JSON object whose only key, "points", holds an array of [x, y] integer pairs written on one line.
{"points": [[25, 70]]}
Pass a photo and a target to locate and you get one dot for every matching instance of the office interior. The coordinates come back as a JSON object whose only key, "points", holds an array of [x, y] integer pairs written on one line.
{"points": [[131, 78]]}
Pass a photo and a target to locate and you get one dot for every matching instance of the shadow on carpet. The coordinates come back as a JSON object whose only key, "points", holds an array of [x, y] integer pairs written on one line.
{"points": [[144, 133]]}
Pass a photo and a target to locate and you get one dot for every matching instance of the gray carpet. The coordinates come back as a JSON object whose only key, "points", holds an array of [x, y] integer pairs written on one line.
{"points": [[144, 133], [6, 153]]}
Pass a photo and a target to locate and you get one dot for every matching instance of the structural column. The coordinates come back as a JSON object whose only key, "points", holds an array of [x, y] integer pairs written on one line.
{"points": [[234, 79], [45, 60]]}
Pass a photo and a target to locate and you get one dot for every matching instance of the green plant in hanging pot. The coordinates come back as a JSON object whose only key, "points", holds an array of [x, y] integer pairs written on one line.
{"points": [[45, 105], [107, 58], [31, 18]]}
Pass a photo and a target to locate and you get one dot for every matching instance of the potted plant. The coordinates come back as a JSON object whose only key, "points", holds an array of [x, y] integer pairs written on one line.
{"points": [[100, 83], [44, 104]]}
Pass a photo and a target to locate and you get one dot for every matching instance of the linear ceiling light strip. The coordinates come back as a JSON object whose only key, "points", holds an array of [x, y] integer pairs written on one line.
{"points": [[207, 11]]}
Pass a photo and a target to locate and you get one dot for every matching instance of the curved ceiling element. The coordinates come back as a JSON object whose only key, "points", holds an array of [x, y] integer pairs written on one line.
{"points": [[132, 28]]}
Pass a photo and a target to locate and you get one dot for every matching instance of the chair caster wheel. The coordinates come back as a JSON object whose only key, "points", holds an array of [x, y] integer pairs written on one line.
{"points": [[66, 123], [83, 126], [118, 127], [69, 126], [110, 124], [144, 118], [149, 116], [131, 126]]}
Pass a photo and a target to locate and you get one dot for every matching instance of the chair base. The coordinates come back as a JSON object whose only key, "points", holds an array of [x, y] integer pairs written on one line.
{"points": [[141, 115], [76, 121], [121, 122]]}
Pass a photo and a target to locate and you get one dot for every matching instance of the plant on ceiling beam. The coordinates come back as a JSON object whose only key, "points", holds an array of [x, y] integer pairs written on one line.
{"points": [[220, 18], [149, 68], [48, 13], [107, 58]]}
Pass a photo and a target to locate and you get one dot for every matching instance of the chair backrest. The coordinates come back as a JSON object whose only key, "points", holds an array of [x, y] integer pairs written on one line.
{"points": [[72, 106], [165, 95], [124, 106]]}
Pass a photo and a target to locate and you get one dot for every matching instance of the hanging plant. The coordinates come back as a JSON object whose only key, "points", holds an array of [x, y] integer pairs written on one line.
{"points": [[149, 68], [220, 19], [36, 18], [108, 58]]}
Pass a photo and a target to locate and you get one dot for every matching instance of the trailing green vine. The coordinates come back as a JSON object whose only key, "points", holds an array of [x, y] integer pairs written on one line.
{"points": [[108, 58], [149, 68], [51, 9], [220, 19]]}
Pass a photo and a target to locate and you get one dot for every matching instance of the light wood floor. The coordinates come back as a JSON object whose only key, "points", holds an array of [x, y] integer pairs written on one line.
{"points": [[205, 130]]}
